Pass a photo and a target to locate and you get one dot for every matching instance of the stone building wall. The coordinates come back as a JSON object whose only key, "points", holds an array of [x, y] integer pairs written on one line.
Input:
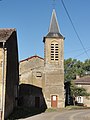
{"points": [[12, 74], [0, 76], [3, 60], [9, 71], [47, 76], [83, 82], [86, 100], [48, 73], [47, 52], [32, 82], [31, 71], [54, 73]]}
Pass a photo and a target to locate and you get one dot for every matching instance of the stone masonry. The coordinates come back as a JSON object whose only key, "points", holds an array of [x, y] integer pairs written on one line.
{"points": [[46, 76]]}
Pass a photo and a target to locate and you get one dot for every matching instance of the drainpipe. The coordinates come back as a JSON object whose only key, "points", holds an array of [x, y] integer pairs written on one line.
{"points": [[3, 85]]}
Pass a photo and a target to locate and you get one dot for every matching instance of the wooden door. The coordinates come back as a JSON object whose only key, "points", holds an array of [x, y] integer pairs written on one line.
{"points": [[54, 101]]}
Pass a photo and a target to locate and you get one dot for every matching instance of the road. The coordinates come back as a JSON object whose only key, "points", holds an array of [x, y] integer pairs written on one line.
{"points": [[66, 115], [74, 115]]}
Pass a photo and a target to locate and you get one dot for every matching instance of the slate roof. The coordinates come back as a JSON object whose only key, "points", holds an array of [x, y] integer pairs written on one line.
{"points": [[54, 30], [5, 33], [83, 80], [54, 27]]}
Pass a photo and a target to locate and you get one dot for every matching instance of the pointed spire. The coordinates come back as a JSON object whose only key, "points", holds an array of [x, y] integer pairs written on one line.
{"points": [[54, 30], [54, 27]]}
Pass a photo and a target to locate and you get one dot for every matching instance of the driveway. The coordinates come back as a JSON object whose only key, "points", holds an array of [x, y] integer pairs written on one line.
{"points": [[65, 115]]}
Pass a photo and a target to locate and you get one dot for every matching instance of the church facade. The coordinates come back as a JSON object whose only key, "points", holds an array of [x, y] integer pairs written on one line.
{"points": [[42, 80]]}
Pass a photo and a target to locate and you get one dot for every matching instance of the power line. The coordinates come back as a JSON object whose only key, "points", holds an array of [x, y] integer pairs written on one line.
{"points": [[74, 28], [77, 50], [81, 54]]}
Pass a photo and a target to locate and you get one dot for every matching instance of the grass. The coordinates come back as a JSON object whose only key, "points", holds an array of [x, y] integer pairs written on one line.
{"points": [[76, 107], [66, 108], [51, 110]]}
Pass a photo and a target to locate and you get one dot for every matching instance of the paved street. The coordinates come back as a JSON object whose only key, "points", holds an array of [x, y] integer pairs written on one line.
{"points": [[66, 115], [74, 115]]}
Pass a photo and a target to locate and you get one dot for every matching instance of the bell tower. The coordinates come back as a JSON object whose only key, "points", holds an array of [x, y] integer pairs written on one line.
{"points": [[54, 65]]}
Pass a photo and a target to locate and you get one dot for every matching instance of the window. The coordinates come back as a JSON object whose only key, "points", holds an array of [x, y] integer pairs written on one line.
{"points": [[38, 74], [79, 85], [79, 99], [54, 51]]}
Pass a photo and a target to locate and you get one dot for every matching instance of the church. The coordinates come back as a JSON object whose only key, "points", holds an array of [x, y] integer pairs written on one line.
{"points": [[42, 79]]}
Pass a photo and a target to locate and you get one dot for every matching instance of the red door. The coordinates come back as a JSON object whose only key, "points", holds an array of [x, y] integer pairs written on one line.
{"points": [[54, 101]]}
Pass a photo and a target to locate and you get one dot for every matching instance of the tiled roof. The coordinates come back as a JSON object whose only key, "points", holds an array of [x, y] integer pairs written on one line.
{"points": [[35, 56], [5, 33], [83, 80]]}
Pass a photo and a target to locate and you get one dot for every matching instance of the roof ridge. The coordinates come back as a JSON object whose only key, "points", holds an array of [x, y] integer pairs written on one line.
{"points": [[34, 56]]}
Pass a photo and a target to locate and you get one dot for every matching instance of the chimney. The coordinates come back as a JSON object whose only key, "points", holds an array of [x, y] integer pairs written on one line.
{"points": [[77, 77]]}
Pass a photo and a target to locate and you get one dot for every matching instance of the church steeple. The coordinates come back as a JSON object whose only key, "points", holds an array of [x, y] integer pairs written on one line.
{"points": [[54, 30], [54, 27], [54, 65]]}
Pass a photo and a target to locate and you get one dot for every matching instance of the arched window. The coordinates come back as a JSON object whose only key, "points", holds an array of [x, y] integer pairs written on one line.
{"points": [[54, 51], [80, 99]]}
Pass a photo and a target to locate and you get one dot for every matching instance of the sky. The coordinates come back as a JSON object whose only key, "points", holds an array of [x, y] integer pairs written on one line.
{"points": [[31, 18]]}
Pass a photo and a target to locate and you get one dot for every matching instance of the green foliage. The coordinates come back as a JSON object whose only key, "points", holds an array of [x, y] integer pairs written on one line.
{"points": [[86, 65], [78, 91], [73, 67]]}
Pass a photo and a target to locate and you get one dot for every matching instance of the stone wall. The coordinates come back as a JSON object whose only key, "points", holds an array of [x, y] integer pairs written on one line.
{"points": [[0, 76], [32, 71], [47, 52], [54, 73], [11, 75], [85, 99], [32, 82]]}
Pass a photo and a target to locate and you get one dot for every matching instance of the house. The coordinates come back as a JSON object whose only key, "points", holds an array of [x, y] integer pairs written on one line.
{"points": [[9, 71], [85, 83], [42, 79]]}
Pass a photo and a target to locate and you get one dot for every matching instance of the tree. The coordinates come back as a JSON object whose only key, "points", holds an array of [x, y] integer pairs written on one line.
{"points": [[77, 91], [86, 66], [73, 67]]}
